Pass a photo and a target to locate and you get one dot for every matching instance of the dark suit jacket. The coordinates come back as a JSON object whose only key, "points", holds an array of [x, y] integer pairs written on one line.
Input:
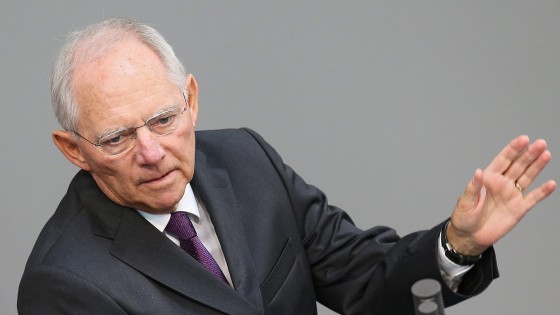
{"points": [[286, 248]]}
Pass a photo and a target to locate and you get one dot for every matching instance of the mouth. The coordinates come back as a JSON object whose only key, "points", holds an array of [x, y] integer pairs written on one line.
{"points": [[155, 180]]}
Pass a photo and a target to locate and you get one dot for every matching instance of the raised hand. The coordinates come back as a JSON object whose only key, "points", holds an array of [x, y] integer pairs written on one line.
{"points": [[496, 200]]}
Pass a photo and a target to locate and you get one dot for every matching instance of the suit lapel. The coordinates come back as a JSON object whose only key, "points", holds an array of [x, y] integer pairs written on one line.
{"points": [[141, 246], [214, 189]]}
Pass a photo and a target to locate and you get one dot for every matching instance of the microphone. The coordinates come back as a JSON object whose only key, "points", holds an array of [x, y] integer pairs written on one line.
{"points": [[426, 294]]}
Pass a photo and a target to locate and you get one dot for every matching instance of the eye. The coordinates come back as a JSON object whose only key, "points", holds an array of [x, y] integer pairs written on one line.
{"points": [[114, 140], [162, 121]]}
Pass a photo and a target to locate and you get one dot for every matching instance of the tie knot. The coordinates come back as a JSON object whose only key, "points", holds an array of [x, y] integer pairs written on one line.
{"points": [[180, 226]]}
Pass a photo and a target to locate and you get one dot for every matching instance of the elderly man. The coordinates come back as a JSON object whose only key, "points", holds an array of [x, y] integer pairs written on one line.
{"points": [[145, 228]]}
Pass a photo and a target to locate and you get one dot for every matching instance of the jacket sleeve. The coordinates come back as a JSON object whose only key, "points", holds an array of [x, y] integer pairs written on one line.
{"points": [[367, 271]]}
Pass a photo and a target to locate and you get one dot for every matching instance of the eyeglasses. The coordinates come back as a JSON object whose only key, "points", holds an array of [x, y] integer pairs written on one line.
{"points": [[120, 141]]}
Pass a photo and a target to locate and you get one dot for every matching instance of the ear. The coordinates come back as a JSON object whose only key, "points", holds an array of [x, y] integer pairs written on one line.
{"points": [[66, 143], [192, 89]]}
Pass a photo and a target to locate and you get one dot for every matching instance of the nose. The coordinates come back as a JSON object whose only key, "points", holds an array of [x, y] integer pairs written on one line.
{"points": [[148, 149]]}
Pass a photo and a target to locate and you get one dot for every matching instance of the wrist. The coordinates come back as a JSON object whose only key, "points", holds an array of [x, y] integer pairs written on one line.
{"points": [[458, 255]]}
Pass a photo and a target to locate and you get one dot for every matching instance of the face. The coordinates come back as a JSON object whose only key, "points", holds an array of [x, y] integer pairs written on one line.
{"points": [[123, 89]]}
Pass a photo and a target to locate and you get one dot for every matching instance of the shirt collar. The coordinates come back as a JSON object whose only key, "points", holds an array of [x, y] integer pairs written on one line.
{"points": [[187, 204]]}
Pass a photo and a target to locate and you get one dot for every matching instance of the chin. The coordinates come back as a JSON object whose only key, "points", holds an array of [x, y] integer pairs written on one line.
{"points": [[164, 199], [163, 204]]}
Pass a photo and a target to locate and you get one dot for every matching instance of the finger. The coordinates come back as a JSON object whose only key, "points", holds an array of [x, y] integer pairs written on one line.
{"points": [[469, 198], [527, 178], [503, 160], [539, 193], [520, 165]]}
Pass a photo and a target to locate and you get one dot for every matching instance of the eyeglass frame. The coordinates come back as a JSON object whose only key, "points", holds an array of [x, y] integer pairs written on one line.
{"points": [[134, 129]]}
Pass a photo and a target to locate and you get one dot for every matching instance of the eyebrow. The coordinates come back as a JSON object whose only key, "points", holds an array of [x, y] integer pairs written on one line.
{"points": [[108, 132], [163, 111]]}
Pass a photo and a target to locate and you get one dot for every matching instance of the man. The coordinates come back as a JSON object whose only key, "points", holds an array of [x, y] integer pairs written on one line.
{"points": [[262, 241]]}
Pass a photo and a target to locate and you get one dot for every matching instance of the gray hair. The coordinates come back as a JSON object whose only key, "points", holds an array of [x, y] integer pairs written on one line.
{"points": [[92, 42]]}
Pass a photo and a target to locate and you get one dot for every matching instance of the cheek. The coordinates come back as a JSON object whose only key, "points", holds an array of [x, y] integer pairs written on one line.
{"points": [[187, 131], [185, 142], [118, 179], [183, 150], [95, 159], [110, 170]]}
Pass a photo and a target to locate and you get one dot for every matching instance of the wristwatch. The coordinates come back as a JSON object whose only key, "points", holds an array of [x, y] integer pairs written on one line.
{"points": [[452, 254]]}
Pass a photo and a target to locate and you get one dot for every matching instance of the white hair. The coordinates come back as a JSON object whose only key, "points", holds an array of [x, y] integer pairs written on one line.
{"points": [[92, 42]]}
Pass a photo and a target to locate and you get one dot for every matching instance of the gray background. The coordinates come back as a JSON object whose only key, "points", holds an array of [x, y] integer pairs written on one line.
{"points": [[387, 106]]}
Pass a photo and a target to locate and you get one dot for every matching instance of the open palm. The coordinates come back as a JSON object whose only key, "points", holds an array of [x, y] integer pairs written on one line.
{"points": [[494, 201]]}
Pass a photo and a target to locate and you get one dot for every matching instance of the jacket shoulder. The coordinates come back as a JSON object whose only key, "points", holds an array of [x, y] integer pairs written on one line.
{"points": [[69, 211], [233, 145]]}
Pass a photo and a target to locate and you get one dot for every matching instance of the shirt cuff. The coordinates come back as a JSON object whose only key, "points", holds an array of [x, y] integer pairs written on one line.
{"points": [[451, 272]]}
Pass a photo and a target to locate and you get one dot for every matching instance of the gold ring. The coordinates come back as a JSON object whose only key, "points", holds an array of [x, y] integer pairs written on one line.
{"points": [[521, 189]]}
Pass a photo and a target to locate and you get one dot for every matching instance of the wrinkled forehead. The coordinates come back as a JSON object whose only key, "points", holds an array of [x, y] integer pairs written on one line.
{"points": [[116, 61], [129, 72]]}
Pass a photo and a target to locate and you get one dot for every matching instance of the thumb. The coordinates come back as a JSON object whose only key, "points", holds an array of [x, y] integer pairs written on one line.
{"points": [[471, 195]]}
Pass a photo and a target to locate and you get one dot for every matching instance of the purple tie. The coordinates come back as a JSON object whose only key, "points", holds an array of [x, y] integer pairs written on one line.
{"points": [[180, 226]]}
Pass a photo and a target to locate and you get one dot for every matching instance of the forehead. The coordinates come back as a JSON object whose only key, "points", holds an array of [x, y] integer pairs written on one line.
{"points": [[128, 79]]}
